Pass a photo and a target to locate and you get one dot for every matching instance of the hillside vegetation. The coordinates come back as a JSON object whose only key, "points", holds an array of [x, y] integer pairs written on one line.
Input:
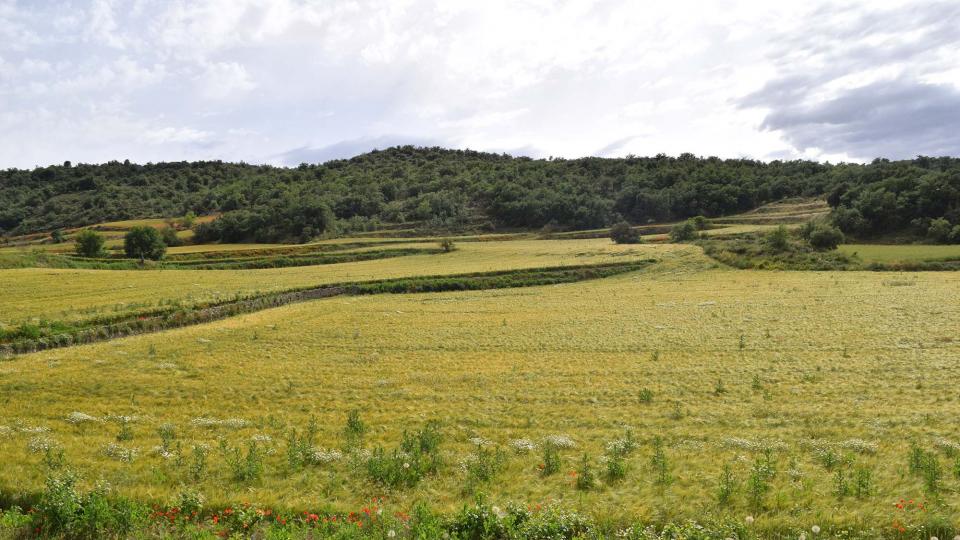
{"points": [[433, 189]]}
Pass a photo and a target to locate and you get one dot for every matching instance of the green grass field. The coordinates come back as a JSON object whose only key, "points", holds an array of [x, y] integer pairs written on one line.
{"points": [[902, 253], [830, 371]]}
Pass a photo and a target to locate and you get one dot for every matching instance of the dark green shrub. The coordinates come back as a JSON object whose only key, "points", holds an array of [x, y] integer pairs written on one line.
{"points": [[169, 237], [144, 243], [622, 233], [89, 243], [940, 231], [825, 237], [778, 239], [683, 232]]}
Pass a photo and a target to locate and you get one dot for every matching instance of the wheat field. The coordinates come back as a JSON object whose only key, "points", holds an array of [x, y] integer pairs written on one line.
{"points": [[814, 372]]}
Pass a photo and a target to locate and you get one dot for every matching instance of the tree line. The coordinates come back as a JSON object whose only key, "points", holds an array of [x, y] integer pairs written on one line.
{"points": [[447, 190]]}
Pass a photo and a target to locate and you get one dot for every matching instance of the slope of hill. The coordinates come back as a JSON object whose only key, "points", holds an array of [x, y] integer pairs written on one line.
{"points": [[433, 189]]}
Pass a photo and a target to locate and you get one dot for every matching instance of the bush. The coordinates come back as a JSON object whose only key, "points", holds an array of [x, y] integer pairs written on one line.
{"points": [[940, 231], [551, 459], [778, 239], [144, 243], [169, 237], [417, 457], [683, 232], [89, 243], [56, 236], [825, 237], [188, 220], [447, 245], [621, 233], [585, 478]]}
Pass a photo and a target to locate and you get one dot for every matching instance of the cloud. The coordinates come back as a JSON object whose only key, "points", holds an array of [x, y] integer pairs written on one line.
{"points": [[177, 135], [298, 80], [225, 79], [861, 88], [895, 119], [349, 148]]}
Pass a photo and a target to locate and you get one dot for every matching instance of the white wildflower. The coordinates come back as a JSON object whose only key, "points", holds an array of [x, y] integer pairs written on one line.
{"points": [[815, 529], [391, 533], [40, 444], [76, 418], [233, 423], [947, 446], [406, 465], [522, 446], [321, 456], [480, 441], [120, 453], [749, 520], [162, 452], [860, 446], [262, 438], [560, 441]]}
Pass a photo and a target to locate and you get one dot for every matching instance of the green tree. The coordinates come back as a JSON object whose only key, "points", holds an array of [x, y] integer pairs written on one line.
{"points": [[89, 243], [621, 233], [57, 236], [187, 221], [169, 237], [939, 231], [144, 243], [778, 239], [683, 232], [825, 237]]}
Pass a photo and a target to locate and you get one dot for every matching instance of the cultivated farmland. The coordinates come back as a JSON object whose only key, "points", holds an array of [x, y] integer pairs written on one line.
{"points": [[684, 390]]}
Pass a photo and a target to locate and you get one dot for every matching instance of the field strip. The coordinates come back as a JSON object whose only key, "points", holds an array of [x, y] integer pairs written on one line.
{"points": [[125, 325]]}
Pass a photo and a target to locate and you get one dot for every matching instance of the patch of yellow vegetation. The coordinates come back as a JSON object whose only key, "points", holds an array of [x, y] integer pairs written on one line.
{"points": [[68, 294], [801, 362]]}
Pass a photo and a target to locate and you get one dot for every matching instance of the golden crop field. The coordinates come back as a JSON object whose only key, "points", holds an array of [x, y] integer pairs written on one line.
{"points": [[69, 294], [828, 371]]}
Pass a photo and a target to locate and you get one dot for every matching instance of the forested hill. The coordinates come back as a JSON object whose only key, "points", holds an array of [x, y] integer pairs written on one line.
{"points": [[452, 189]]}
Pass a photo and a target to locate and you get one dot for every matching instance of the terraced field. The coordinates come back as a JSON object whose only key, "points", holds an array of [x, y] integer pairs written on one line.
{"points": [[66, 294]]}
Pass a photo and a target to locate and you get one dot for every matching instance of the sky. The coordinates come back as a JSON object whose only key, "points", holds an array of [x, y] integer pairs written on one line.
{"points": [[288, 81]]}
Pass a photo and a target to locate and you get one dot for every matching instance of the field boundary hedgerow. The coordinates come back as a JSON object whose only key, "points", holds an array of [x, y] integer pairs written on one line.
{"points": [[222, 263], [30, 337]]}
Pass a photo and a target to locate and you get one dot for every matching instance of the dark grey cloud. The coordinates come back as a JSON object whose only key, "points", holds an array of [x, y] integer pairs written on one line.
{"points": [[893, 119]]}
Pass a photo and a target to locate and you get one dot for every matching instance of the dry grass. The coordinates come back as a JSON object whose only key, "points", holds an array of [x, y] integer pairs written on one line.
{"points": [[67, 294], [825, 360]]}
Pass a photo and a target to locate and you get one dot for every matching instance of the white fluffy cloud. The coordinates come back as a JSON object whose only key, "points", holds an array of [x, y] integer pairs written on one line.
{"points": [[285, 80]]}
